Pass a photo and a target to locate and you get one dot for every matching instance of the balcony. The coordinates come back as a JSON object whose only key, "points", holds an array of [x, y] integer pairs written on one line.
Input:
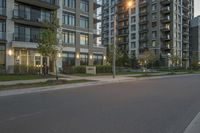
{"points": [[143, 12], [25, 38], [186, 25], [166, 38], [185, 48], [165, 29], [143, 39], [97, 4], [25, 18], [166, 47], [97, 18], [165, 2], [165, 10], [47, 4], [166, 19], [3, 37], [143, 3], [2, 13], [143, 21], [96, 33]]}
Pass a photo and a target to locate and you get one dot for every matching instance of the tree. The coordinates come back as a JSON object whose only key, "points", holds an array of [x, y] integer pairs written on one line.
{"points": [[122, 57], [175, 60], [48, 42], [147, 58]]}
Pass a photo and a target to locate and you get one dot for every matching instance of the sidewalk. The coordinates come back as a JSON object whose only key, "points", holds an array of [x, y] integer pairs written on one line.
{"points": [[99, 80], [71, 77]]}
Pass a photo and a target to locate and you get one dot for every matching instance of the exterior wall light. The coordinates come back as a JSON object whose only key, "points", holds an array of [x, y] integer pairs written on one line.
{"points": [[77, 56], [91, 57], [104, 57], [10, 52], [59, 55]]}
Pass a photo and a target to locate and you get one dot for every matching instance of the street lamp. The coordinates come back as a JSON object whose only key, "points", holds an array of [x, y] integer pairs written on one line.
{"points": [[129, 5]]}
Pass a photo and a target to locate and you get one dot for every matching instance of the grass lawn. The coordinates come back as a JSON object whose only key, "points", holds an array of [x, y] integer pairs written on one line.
{"points": [[42, 84], [109, 74], [166, 74], [11, 77]]}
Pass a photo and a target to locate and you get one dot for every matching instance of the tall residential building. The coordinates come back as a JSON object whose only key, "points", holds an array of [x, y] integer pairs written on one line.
{"points": [[21, 22], [195, 40], [161, 26]]}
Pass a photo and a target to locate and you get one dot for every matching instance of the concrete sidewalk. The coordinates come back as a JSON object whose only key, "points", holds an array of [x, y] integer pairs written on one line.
{"points": [[71, 77], [100, 80]]}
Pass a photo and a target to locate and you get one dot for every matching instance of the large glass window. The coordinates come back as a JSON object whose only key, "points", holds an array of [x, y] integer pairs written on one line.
{"points": [[84, 39], [84, 5], [69, 19], [69, 37], [2, 30], [2, 56], [98, 59], [69, 3], [84, 22], [2, 7], [83, 59], [27, 34], [68, 59]]}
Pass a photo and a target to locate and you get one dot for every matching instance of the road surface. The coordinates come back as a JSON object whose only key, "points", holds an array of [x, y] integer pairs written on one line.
{"points": [[165, 105]]}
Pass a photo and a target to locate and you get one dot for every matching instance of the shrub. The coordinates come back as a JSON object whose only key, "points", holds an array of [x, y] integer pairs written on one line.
{"points": [[80, 69], [24, 69], [104, 69]]}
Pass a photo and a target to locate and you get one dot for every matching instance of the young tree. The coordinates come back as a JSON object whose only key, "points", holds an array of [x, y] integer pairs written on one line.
{"points": [[175, 60], [48, 43], [147, 58]]}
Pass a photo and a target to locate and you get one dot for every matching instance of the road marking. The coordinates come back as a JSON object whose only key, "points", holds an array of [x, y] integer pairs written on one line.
{"points": [[194, 126], [20, 117]]}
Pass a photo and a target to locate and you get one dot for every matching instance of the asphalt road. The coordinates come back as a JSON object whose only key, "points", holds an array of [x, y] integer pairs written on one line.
{"points": [[151, 106]]}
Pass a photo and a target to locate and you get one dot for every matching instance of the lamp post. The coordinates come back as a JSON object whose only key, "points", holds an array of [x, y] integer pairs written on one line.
{"points": [[129, 4]]}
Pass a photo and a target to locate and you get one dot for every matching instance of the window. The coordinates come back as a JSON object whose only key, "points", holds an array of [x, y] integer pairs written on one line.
{"points": [[27, 34], [98, 59], [2, 55], [133, 36], [46, 16], [133, 27], [133, 45], [84, 39], [83, 59], [68, 59], [133, 19], [69, 19], [69, 3], [69, 37], [84, 5], [83, 22], [2, 7], [2, 30]]}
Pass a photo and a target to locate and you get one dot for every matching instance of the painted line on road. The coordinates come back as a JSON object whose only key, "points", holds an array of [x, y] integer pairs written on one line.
{"points": [[194, 126]]}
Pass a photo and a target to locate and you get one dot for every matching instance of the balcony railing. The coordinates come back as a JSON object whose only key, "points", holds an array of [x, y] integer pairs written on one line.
{"points": [[27, 16], [51, 2], [25, 38], [3, 36]]}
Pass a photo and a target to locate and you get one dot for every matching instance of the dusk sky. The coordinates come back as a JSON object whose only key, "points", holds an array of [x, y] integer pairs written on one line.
{"points": [[197, 7]]}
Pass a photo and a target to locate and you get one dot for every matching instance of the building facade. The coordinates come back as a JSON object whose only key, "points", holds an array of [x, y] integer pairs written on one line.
{"points": [[21, 22], [161, 26], [195, 40]]}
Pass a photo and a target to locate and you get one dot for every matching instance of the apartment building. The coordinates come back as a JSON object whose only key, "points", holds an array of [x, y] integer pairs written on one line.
{"points": [[21, 22], [161, 26], [195, 40]]}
